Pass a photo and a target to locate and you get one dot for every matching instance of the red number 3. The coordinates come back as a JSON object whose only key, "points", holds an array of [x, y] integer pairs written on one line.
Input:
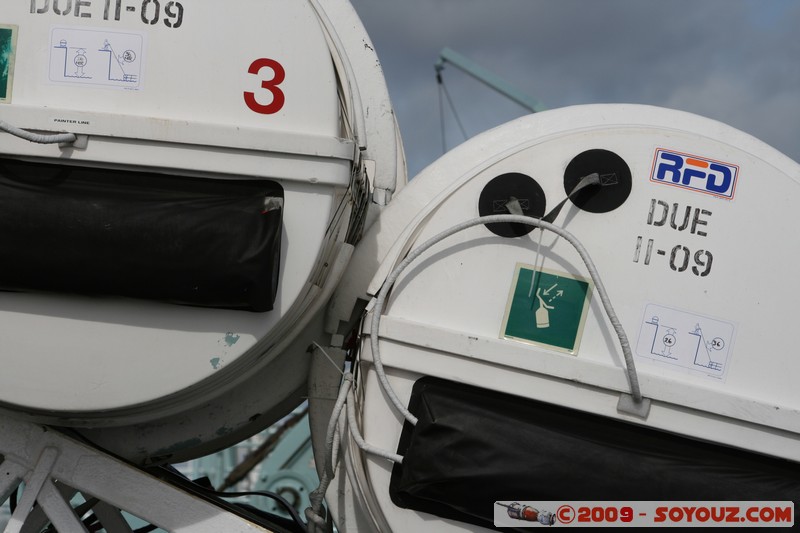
{"points": [[278, 98]]}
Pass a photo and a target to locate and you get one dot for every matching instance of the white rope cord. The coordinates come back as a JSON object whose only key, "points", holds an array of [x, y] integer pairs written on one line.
{"points": [[53, 138], [345, 400], [364, 445], [316, 497], [380, 300]]}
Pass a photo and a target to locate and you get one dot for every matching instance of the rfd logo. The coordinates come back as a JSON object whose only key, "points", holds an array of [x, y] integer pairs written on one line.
{"points": [[695, 173]]}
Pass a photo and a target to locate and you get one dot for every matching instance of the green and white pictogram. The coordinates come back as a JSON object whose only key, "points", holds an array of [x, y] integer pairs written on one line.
{"points": [[547, 308], [8, 44]]}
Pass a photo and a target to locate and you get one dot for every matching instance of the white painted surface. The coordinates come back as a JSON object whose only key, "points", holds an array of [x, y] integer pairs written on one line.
{"points": [[197, 70], [444, 316], [216, 92]]}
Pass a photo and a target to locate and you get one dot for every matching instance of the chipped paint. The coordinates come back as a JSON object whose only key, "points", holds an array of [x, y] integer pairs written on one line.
{"points": [[179, 446], [216, 362], [231, 338]]}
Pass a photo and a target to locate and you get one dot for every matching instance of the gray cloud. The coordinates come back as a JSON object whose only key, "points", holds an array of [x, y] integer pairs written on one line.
{"points": [[732, 60]]}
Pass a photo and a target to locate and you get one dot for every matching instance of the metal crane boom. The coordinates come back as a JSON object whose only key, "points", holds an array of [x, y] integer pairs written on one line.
{"points": [[500, 85]]}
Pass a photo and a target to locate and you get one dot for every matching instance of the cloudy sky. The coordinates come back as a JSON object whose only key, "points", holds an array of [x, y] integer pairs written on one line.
{"points": [[737, 61]]}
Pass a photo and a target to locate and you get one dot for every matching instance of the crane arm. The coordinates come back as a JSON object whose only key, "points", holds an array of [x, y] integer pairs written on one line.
{"points": [[500, 85]]}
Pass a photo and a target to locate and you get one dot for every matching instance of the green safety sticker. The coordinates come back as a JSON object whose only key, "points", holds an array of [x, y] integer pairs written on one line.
{"points": [[547, 308], [8, 46]]}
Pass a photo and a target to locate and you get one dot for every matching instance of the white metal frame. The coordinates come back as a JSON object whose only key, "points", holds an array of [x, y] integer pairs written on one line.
{"points": [[54, 467]]}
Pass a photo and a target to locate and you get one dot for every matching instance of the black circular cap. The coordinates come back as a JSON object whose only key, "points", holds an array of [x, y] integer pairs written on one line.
{"points": [[517, 189], [615, 180]]}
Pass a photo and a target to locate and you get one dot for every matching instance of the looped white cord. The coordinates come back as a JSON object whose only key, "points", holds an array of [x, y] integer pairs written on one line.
{"points": [[345, 400], [314, 513], [53, 138], [492, 219], [352, 423]]}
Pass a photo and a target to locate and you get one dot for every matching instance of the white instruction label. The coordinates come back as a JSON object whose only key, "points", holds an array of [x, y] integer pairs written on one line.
{"points": [[694, 342], [96, 57]]}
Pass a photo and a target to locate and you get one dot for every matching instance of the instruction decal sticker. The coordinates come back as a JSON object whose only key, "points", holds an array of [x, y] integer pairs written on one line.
{"points": [[97, 57], [547, 308], [8, 48], [696, 343]]}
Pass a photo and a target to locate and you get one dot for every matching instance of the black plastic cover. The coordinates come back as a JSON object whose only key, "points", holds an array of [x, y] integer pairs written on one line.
{"points": [[472, 447], [139, 234]]}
